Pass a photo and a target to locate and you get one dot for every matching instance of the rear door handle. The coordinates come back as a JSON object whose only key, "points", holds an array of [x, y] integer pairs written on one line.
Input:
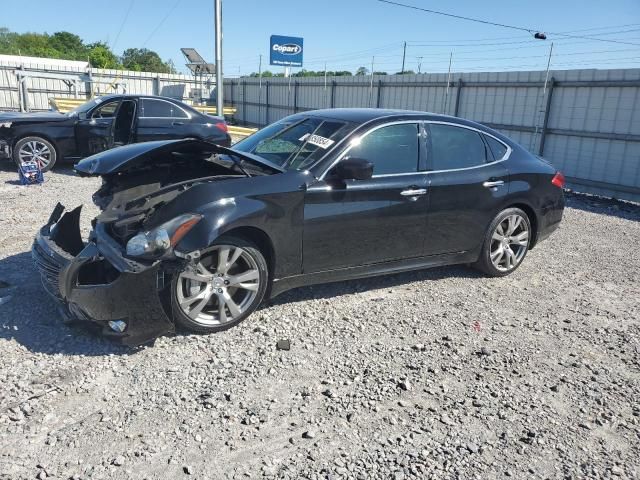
{"points": [[177, 123], [413, 192], [496, 183]]}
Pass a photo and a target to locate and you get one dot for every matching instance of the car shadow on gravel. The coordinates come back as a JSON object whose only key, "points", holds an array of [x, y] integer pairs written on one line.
{"points": [[29, 316], [350, 287], [603, 205], [9, 166]]}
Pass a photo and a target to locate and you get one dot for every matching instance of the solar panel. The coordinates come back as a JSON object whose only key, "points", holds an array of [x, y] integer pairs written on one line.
{"points": [[196, 63], [192, 55]]}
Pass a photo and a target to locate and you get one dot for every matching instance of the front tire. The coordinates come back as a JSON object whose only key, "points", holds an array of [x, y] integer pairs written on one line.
{"points": [[224, 287], [35, 149], [506, 243]]}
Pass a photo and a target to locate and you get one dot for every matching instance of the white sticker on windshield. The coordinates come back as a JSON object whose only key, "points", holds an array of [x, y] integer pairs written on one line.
{"points": [[317, 140]]}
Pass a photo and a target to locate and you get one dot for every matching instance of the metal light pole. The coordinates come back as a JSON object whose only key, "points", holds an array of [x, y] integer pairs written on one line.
{"points": [[218, 60]]}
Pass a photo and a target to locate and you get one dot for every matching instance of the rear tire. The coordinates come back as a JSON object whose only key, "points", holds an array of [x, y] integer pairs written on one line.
{"points": [[35, 149], [506, 243], [225, 286]]}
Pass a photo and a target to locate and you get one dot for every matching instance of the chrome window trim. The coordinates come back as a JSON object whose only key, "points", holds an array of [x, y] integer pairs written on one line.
{"points": [[170, 103], [418, 121], [377, 127]]}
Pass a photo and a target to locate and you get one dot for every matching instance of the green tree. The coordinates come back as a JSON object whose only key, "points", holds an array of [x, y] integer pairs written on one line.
{"points": [[101, 56], [67, 45], [144, 60], [362, 71], [406, 72], [7, 41]]}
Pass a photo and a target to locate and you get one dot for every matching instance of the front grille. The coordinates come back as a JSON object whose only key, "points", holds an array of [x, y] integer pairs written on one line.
{"points": [[49, 270]]}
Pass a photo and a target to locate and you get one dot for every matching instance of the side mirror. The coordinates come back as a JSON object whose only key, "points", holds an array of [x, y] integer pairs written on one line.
{"points": [[354, 169], [82, 115]]}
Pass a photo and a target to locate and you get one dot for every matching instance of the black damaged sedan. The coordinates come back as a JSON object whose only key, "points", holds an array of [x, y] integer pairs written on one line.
{"points": [[198, 235], [102, 123]]}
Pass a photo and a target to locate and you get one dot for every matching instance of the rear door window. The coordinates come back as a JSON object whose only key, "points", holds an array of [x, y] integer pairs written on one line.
{"points": [[151, 108], [455, 147]]}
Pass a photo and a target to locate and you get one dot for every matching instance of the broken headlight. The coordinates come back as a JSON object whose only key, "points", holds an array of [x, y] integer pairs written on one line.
{"points": [[157, 241]]}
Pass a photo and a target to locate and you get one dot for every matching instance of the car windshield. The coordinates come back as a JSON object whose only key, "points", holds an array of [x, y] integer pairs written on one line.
{"points": [[85, 107], [295, 144]]}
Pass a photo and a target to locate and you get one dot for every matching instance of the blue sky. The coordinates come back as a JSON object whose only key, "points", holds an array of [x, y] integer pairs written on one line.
{"points": [[348, 33]]}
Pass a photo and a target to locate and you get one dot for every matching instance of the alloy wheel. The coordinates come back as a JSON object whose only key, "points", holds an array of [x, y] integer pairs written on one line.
{"points": [[220, 287], [509, 242], [35, 151]]}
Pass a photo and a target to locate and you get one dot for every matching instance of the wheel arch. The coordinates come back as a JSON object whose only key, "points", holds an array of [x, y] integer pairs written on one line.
{"points": [[260, 238], [533, 220], [46, 137]]}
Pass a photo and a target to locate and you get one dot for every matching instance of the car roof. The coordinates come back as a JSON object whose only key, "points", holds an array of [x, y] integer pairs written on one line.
{"points": [[365, 115], [133, 95]]}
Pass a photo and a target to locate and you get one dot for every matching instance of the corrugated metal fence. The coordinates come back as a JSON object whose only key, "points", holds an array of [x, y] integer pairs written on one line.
{"points": [[587, 122], [90, 81]]}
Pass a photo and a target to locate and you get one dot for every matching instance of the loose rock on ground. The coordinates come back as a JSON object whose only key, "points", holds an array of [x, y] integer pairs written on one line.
{"points": [[441, 373]]}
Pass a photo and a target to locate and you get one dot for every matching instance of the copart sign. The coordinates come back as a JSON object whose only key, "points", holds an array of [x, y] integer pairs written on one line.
{"points": [[286, 51]]}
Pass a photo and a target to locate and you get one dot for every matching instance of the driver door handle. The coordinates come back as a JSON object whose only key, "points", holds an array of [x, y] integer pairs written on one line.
{"points": [[177, 123], [413, 192], [496, 183]]}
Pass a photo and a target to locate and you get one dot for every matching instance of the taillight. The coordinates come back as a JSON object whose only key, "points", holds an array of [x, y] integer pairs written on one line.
{"points": [[222, 126], [558, 180]]}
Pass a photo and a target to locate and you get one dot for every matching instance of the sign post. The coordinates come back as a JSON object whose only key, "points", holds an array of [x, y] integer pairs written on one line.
{"points": [[219, 85]]}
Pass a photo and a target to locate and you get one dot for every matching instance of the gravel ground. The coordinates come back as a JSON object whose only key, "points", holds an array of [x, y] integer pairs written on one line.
{"points": [[435, 374]]}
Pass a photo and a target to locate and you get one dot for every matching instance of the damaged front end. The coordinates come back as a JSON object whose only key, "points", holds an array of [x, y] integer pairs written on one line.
{"points": [[94, 282], [120, 277]]}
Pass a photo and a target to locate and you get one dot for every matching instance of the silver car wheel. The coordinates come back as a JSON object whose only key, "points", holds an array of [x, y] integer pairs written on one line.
{"points": [[509, 242], [35, 151], [220, 287]]}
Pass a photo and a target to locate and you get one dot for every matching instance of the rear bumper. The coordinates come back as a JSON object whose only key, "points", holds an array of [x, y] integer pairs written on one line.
{"points": [[550, 217], [222, 141], [98, 285]]}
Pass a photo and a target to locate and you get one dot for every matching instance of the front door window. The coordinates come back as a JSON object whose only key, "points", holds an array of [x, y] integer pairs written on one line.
{"points": [[392, 149]]}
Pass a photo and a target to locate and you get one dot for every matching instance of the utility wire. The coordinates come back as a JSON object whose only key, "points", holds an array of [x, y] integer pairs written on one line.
{"points": [[387, 47], [477, 42], [460, 17], [474, 40], [161, 22], [126, 16], [503, 25]]}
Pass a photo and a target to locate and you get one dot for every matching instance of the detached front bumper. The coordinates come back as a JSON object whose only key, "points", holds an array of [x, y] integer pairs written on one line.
{"points": [[94, 282]]}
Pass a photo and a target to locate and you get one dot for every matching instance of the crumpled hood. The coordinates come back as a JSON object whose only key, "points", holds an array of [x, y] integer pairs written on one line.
{"points": [[129, 158], [15, 117]]}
